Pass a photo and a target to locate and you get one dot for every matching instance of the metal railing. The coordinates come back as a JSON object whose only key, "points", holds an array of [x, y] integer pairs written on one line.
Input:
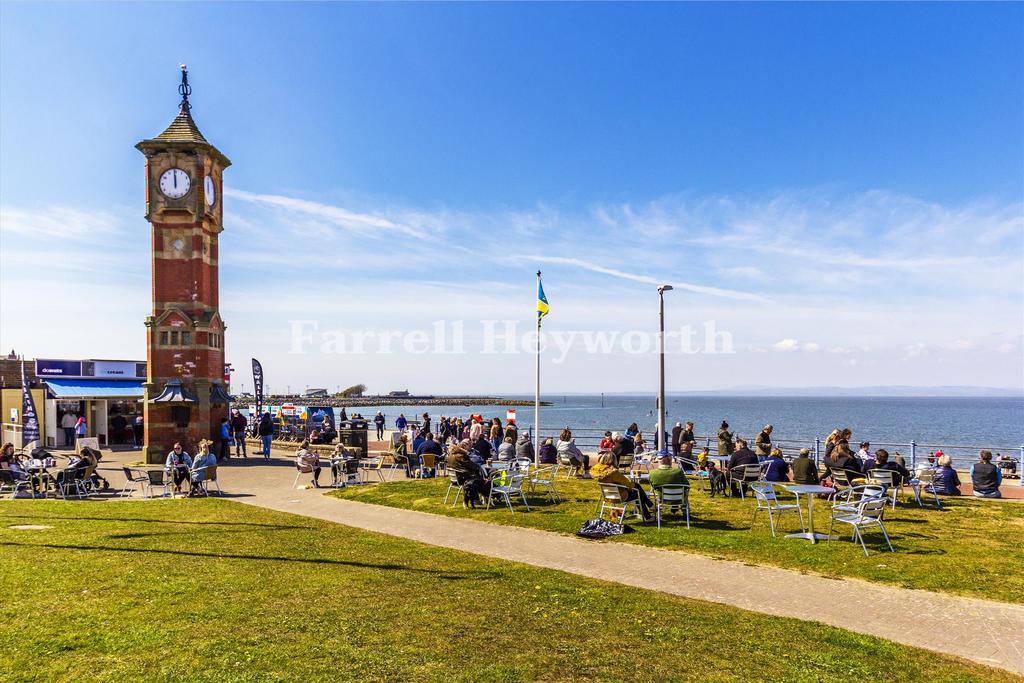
{"points": [[961, 456]]}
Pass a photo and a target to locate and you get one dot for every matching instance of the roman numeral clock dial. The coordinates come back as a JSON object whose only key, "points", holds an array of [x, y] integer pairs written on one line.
{"points": [[175, 183]]}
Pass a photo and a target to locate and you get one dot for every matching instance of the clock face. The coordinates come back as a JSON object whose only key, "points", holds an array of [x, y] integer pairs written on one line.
{"points": [[209, 190], [175, 183]]}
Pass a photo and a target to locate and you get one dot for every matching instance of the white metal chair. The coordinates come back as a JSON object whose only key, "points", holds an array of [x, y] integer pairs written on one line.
{"points": [[924, 482], [511, 487], [134, 480], [868, 513], [544, 477], [764, 492], [300, 470], [890, 480], [453, 483], [571, 470], [747, 475], [615, 498], [209, 477], [672, 496]]}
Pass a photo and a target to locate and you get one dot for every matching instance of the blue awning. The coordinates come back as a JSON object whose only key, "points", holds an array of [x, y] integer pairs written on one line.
{"points": [[95, 388]]}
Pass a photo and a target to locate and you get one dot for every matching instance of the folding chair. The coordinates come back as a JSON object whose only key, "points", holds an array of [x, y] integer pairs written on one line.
{"points": [[748, 474], [8, 482], [511, 487], [615, 498], [155, 478], [134, 479], [670, 496], [453, 483], [300, 470], [72, 478], [888, 479], [703, 476], [544, 477], [925, 481], [571, 470], [626, 461], [764, 492], [428, 462], [868, 513]]}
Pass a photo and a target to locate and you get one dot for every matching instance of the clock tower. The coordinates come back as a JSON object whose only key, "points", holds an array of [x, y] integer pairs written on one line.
{"points": [[185, 397]]}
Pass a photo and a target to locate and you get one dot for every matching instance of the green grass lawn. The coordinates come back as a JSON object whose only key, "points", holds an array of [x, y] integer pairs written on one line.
{"points": [[980, 539], [216, 590]]}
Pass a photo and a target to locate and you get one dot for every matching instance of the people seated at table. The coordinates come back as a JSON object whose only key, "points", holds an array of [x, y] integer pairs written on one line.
{"points": [[524, 448], [178, 465], [986, 477], [507, 450], [775, 467], [567, 449], [548, 452], [429, 445], [307, 459], [606, 442], [605, 472], [343, 462], [946, 482], [881, 461], [667, 473], [805, 470], [418, 440], [204, 460]]}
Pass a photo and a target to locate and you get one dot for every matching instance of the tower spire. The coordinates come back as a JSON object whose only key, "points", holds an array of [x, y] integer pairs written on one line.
{"points": [[185, 90]]}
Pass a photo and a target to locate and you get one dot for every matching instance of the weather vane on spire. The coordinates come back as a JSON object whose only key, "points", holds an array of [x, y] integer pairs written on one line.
{"points": [[185, 89]]}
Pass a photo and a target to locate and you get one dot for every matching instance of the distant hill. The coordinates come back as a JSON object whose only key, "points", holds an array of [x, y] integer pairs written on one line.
{"points": [[894, 390]]}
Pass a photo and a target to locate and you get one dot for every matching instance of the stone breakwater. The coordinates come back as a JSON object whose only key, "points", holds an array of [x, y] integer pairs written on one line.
{"points": [[374, 401]]}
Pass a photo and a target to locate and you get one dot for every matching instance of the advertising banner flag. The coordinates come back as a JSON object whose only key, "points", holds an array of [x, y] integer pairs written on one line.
{"points": [[29, 417]]}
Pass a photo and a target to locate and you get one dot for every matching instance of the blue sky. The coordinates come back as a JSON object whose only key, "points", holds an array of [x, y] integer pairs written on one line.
{"points": [[840, 185]]}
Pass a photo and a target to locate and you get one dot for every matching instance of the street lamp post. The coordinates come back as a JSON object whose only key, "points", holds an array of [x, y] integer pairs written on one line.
{"points": [[662, 446]]}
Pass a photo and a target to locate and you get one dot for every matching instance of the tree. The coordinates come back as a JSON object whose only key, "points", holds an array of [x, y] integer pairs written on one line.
{"points": [[354, 391]]}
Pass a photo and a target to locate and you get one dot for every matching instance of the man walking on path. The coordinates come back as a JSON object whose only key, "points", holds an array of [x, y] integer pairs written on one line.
{"points": [[378, 420], [238, 425], [677, 431]]}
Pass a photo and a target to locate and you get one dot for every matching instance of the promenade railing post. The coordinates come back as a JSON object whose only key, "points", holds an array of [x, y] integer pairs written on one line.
{"points": [[913, 456], [817, 451]]}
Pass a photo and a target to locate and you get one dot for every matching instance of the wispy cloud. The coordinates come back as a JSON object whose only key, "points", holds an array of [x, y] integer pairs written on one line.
{"points": [[365, 224], [597, 268]]}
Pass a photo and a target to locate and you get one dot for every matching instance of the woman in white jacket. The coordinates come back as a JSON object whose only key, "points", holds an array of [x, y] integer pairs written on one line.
{"points": [[567, 449]]}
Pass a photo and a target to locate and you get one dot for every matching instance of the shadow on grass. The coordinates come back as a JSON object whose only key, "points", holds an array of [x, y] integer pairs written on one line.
{"points": [[462, 576], [151, 521]]}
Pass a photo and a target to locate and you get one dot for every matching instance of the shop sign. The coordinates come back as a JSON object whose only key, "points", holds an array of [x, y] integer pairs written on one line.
{"points": [[58, 368]]}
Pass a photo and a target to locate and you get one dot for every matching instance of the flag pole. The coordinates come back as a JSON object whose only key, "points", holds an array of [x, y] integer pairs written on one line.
{"points": [[536, 397]]}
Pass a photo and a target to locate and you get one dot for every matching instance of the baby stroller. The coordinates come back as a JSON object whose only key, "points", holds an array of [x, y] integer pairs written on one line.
{"points": [[1008, 466], [95, 482]]}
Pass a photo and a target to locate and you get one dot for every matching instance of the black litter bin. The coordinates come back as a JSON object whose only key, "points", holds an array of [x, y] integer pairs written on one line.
{"points": [[353, 434]]}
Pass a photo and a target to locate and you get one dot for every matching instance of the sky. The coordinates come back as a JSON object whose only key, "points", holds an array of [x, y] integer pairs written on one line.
{"points": [[835, 191]]}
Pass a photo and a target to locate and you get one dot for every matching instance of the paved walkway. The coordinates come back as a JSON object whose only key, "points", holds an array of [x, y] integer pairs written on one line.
{"points": [[987, 632]]}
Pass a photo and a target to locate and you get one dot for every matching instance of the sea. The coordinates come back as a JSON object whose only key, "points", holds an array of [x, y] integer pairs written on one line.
{"points": [[996, 423]]}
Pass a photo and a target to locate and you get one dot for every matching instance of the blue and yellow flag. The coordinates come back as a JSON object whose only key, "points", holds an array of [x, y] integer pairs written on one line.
{"points": [[542, 302]]}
